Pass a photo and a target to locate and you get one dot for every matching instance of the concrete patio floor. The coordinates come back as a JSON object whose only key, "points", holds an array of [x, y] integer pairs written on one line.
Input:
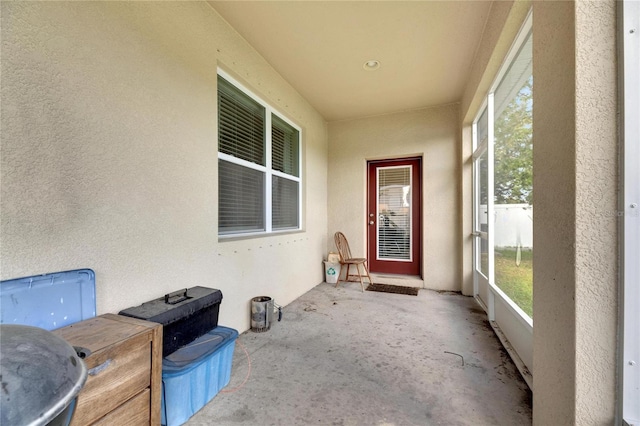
{"points": [[343, 357]]}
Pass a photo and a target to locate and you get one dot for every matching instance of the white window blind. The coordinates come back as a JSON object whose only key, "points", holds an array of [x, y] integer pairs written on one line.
{"points": [[241, 124], [285, 203], [394, 215], [259, 182], [284, 140], [241, 198]]}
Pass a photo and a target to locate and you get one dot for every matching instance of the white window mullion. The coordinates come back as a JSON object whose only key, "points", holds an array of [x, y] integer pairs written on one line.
{"points": [[241, 162], [286, 176], [490, 189], [476, 180], [300, 168], [475, 212], [476, 223], [268, 183]]}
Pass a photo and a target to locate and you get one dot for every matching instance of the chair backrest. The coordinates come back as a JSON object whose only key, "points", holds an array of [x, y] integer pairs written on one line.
{"points": [[343, 246]]}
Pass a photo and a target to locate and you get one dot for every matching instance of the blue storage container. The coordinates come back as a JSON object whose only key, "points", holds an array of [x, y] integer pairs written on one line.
{"points": [[195, 373], [49, 301]]}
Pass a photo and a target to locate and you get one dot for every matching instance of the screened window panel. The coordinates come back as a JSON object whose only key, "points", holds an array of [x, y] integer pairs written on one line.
{"points": [[483, 127], [513, 131], [512, 218], [241, 203], [285, 147], [241, 124], [285, 202], [517, 75]]}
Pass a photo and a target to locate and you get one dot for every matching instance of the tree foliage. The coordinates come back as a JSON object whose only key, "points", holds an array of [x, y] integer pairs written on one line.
{"points": [[513, 149]]}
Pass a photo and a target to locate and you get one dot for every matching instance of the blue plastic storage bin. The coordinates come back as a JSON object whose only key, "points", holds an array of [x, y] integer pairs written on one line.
{"points": [[49, 301], [195, 373]]}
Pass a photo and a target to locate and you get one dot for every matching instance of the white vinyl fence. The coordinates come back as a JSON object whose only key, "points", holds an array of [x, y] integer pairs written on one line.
{"points": [[512, 224]]}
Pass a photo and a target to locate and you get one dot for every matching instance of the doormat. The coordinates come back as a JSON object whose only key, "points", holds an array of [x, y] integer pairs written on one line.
{"points": [[385, 288]]}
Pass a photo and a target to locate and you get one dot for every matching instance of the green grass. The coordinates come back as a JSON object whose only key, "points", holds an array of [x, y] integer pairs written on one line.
{"points": [[516, 281]]}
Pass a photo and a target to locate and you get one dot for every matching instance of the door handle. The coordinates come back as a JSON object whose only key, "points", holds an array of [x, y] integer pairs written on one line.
{"points": [[371, 223]]}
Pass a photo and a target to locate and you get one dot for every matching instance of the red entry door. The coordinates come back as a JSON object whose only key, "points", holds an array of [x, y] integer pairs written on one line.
{"points": [[394, 216]]}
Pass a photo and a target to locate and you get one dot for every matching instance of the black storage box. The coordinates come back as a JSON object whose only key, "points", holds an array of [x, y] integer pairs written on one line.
{"points": [[185, 315]]}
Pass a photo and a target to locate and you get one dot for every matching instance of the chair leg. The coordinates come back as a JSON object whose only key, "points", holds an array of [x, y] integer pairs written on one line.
{"points": [[360, 276], [339, 273], [366, 269], [346, 273]]}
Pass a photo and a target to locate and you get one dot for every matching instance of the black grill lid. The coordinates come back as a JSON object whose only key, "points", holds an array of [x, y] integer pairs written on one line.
{"points": [[41, 375]]}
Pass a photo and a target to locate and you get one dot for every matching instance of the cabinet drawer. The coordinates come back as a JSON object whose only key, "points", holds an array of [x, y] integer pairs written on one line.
{"points": [[116, 374], [124, 359], [134, 412]]}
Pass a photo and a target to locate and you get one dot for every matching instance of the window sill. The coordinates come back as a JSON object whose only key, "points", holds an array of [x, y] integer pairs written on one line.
{"points": [[257, 235]]}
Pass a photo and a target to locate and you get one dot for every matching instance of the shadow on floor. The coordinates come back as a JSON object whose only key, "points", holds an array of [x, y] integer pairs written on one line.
{"points": [[344, 357]]}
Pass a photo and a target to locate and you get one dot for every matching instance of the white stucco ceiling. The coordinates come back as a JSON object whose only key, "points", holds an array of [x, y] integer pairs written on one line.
{"points": [[425, 48]]}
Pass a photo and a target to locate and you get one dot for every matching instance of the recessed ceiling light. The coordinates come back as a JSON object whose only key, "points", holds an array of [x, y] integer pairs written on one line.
{"points": [[371, 65]]}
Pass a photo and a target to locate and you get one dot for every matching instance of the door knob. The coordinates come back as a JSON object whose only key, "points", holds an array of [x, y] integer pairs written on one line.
{"points": [[371, 223]]}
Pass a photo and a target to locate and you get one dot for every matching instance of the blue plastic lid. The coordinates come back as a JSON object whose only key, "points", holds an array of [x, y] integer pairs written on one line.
{"points": [[193, 354], [49, 301]]}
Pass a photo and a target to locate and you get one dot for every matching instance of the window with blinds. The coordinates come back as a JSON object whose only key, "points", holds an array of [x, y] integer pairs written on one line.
{"points": [[394, 213], [259, 182], [240, 198], [241, 124], [284, 203], [284, 146]]}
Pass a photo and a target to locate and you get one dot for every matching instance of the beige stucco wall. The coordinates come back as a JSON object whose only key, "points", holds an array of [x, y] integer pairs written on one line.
{"points": [[431, 133], [575, 157], [596, 211], [108, 149]]}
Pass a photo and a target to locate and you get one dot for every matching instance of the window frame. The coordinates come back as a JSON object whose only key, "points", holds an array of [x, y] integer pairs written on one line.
{"points": [[512, 325], [629, 210], [267, 169], [480, 148]]}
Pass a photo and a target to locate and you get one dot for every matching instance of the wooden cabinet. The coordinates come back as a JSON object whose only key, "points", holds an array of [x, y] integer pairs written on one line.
{"points": [[124, 359]]}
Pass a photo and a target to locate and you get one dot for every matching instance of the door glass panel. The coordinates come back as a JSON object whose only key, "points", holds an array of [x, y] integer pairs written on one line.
{"points": [[513, 181], [394, 213]]}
